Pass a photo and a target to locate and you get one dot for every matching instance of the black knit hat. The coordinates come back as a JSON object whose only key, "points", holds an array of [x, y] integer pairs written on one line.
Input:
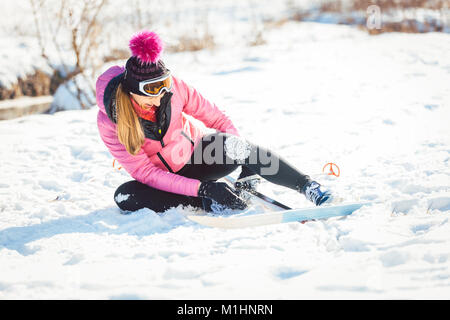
{"points": [[145, 63], [136, 71]]}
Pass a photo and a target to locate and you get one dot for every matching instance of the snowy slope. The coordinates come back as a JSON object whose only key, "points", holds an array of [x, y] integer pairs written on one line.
{"points": [[379, 107]]}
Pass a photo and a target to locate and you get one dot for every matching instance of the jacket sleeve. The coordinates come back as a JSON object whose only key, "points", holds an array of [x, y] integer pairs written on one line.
{"points": [[206, 111], [140, 167]]}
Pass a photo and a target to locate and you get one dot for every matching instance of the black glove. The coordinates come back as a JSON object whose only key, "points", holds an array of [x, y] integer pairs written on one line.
{"points": [[222, 193]]}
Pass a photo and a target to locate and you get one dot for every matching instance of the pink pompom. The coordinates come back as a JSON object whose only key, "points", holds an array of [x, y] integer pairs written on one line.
{"points": [[147, 46]]}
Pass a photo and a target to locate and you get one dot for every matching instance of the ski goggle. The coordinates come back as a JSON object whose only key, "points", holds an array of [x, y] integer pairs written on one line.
{"points": [[152, 87], [156, 86]]}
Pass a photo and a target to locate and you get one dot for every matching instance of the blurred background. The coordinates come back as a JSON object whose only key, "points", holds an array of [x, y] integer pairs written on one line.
{"points": [[53, 50]]}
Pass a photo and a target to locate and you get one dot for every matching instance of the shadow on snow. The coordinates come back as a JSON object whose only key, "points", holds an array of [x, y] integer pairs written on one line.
{"points": [[140, 223]]}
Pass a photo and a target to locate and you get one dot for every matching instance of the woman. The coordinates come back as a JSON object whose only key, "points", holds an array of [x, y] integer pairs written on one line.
{"points": [[143, 124]]}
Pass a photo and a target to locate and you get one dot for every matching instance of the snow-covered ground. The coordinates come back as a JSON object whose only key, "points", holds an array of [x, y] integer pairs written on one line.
{"points": [[379, 107]]}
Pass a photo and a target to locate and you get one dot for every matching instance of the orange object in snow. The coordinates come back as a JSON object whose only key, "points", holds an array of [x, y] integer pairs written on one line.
{"points": [[113, 165], [331, 172]]}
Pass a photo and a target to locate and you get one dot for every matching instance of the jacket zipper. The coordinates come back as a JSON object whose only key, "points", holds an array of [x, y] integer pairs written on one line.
{"points": [[160, 137], [162, 144], [164, 162]]}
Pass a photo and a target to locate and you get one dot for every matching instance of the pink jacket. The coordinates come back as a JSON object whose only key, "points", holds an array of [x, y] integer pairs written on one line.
{"points": [[156, 165]]}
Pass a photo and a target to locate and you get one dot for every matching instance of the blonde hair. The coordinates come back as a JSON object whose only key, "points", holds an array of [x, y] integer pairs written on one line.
{"points": [[129, 129]]}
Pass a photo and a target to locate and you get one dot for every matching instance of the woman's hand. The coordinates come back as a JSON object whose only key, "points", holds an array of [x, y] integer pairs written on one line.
{"points": [[222, 193]]}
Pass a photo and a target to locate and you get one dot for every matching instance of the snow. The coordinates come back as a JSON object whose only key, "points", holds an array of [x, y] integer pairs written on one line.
{"points": [[25, 102], [378, 107], [121, 197], [19, 58], [65, 97], [237, 148]]}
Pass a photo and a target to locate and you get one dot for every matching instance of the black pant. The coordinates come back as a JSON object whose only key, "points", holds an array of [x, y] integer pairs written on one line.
{"points": [[217, 155]]}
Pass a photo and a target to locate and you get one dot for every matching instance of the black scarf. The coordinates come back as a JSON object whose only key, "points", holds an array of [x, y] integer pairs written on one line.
{"points": [[157, 130]]}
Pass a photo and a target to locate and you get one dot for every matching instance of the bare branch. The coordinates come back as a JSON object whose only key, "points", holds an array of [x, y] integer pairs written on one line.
{"points": [[38, 29]]}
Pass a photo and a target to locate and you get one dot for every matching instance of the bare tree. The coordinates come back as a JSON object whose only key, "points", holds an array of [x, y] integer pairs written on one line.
{"points": [[71, 27]]}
